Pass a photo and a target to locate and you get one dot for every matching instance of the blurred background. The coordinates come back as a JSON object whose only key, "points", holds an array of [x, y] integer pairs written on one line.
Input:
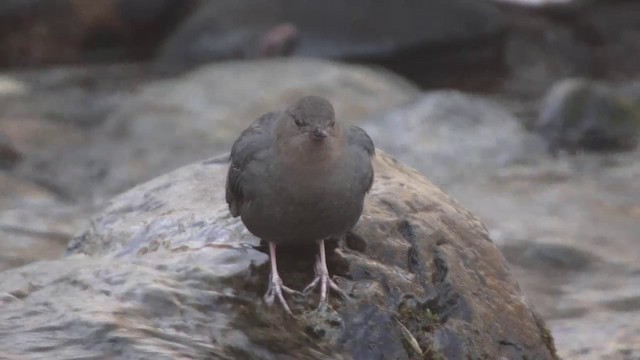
{"points": [[527, 112]]}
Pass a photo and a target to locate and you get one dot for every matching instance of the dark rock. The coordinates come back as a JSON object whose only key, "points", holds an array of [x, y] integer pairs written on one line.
{"points": [[39, 32], [413, 36], [591, 39], [536, 59], [166, 272], [9, 156], [580, 114], [550, 258]]}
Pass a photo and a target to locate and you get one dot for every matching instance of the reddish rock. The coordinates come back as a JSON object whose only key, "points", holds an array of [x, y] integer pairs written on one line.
{"points": [[61, 31]]}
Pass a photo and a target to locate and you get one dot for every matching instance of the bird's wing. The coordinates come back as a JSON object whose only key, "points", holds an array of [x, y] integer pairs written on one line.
{"points": [[361, 140], [255, 138]]}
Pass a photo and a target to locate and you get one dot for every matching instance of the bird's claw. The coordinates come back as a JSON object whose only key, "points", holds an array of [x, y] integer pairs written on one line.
{"points": [[307, 290], [326, 284], [276, 288]]}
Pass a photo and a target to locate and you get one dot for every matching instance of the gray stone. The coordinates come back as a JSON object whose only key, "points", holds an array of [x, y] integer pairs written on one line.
{"points": [[453, 137], [579, 114], [331, 29], [165, 272], [34, 223]]}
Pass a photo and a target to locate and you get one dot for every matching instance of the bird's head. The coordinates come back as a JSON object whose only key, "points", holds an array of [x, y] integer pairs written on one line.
{"points": [[311, 118], [309, 129]]}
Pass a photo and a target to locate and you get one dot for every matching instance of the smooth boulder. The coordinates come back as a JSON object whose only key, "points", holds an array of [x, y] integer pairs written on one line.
{"points": [[426, 40], [455, 138], [164, 271]]}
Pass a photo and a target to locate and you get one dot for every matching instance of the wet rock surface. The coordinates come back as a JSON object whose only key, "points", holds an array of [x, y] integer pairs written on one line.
{"points": [[166, 260], [568, 226]]}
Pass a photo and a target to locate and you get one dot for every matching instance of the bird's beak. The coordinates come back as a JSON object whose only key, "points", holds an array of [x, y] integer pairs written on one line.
{"points": [[319, 134]]}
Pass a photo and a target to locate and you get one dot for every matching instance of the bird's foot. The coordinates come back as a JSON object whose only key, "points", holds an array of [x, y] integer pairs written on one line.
{"points": [[276, 288], [326, 283]]}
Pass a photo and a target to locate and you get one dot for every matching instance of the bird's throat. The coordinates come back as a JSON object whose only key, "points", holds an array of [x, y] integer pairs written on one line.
{"points": [[311, 156]]}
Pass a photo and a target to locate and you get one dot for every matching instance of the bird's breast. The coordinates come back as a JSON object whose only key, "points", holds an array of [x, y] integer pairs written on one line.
{"points": [[307, 205]]}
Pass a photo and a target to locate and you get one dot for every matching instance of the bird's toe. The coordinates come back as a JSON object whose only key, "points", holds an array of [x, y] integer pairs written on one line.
{"points": [[275, 290]]}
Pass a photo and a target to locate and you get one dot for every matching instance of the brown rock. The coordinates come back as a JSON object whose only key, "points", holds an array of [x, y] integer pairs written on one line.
{"points": [[424, 277], [58, 31]]}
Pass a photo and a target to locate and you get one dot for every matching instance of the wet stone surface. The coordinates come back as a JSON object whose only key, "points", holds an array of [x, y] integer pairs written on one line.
{"points": [[164, 271]]}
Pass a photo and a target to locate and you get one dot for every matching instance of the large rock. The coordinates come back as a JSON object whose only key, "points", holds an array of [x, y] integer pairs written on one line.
{"points": [[165, 272], [568, 226], [591, 39], [453, 137], [435, 37]]}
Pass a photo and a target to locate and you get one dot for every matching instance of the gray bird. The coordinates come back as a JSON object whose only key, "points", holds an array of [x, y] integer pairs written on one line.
{"points": [[299, 176]]}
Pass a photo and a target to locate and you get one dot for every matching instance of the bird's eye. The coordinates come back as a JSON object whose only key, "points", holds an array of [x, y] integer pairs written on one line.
{"points": [[297, 122]]}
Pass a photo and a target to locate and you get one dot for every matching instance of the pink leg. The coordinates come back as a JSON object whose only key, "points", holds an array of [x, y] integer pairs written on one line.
{"points": [[276, 286], [322, 277]]}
